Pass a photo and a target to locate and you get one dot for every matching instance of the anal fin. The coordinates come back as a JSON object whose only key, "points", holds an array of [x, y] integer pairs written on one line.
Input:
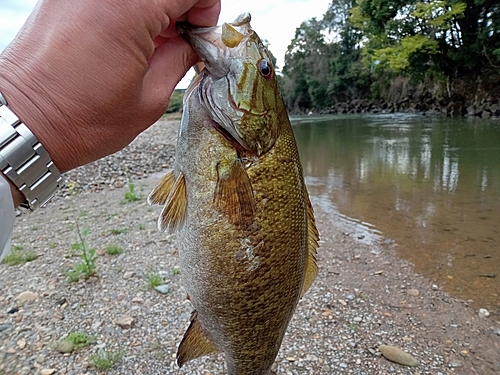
{"points": [[312, 245], [162, 189], [173, 215], [195, 343], [233, 193]]}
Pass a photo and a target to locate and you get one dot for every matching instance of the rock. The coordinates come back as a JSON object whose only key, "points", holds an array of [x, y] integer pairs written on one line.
{"points": [[5, 327], [455, 364], [163, 289], [21, 344], [483, 313], [48, 371], [128, 274], [396, 355], [12, 310], [125, 322], [137, 300], [414, 292], [64, 346], [27, 296]]}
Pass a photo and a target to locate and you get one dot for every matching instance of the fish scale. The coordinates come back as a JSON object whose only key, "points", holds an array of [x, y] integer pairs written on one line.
{"points": [[237, 200]]}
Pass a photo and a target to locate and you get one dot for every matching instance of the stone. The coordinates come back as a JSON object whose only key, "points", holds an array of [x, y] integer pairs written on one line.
{"points": [[125, 322], [48, 371], [64, 346], [414, 292], [455, 364], [396, 355], [163, 289], [128, 274], [27, 296], [483, 313], [137, 300], [21, 344]]}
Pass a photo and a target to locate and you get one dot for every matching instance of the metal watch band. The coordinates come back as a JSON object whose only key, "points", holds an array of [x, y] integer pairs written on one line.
{"points": [[24, 160]]}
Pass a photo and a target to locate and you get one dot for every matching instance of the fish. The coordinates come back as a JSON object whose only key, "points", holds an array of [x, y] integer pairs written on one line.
{"points": [[237, 201]]}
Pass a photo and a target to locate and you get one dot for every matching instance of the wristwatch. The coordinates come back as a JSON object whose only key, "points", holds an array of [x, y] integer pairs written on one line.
{"points": [[24, 160]]}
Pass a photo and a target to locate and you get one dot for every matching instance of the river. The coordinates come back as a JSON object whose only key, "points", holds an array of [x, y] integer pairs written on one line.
{"points": [[431, 185]]}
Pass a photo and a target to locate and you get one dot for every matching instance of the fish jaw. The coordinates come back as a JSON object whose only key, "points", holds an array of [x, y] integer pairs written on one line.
{"points": [[238, 71]]}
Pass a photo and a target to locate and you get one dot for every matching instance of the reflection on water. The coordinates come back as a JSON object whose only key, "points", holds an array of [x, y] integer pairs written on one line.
{"points": [[430, 184]]}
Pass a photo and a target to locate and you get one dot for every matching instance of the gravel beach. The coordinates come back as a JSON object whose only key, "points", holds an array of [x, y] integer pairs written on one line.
{"points": [[364, 295]]}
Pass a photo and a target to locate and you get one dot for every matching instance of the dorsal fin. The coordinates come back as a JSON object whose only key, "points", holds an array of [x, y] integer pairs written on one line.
{"points": [[195, 343], [312, 245], [173, 215], [233, 193], [162, 189]]}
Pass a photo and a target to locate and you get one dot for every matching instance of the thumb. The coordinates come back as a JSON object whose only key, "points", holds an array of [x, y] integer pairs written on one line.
{"points": [[168, 65]]}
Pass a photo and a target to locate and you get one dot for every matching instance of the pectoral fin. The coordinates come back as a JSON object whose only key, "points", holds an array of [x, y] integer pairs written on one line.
{"points": [[233, 193], [195, 343], [173, 214], [162, 189], [312, 244]]}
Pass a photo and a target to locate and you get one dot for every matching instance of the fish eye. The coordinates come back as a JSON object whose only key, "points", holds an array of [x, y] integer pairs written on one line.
{"points": [[265, 69]]}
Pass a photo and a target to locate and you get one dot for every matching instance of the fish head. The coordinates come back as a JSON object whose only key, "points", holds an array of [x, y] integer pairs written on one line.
{"points": [[239, 86]]}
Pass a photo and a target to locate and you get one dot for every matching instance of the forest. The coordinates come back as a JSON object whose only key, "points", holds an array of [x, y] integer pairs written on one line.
{"points": [[441, 55]]}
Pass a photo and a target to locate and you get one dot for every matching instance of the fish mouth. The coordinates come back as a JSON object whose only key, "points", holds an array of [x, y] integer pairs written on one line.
{"points": [[214, 43]]}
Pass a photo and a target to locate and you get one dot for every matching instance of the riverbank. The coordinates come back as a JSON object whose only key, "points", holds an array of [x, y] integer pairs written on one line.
{"points": [[364, 295], [485, 109]]}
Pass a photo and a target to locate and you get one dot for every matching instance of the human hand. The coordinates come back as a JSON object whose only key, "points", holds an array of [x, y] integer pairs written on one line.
{"points": [[88, 76]]}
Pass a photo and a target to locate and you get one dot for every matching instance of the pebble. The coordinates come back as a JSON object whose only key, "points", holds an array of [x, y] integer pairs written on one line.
{"points": [[128, 274], [395, 354], [48, 371], [483, 313], [64, 346], [5, 327], [414, 292], [21, 344], [125, 322], [163, 289], [27, 296], [455, 364]]}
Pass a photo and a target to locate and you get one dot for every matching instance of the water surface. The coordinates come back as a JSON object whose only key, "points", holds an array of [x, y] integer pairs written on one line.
{"points": [[430, 184]]}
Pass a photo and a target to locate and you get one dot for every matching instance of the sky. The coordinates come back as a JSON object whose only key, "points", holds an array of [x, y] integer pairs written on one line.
{"points": [[274, 20]]}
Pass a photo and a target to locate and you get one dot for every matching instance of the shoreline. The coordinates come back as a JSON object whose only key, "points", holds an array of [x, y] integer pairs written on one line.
{"points": [[364, 295]]}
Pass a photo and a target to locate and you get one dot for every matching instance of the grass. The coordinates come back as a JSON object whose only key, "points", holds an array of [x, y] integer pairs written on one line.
{"points": [[79, 339], [87, 266], [119, 231], [113, 249], [104, 360], [131, 195], [154, 280], [19, 256]]}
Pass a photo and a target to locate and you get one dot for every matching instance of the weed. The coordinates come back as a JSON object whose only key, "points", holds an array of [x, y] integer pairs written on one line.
{"points": [[104, 360], [119, 231], [113, 249], [131, 195], [175, 271], [154, 279], [87, 266], [353, 327], [79, 339], [142, 227], [18, 256]]}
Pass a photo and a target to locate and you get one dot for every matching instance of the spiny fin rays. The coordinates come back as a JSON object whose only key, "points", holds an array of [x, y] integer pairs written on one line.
{"points": [[162, 189], [233, 194], [312, 244], [171, 192], [195, 343]]}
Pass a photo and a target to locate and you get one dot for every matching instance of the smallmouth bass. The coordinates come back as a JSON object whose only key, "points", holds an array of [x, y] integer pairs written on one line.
{"points": [[237, 199]]}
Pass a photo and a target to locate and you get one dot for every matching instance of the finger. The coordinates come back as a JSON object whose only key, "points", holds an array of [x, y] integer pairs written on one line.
{"points": [[168, 65], [204, 14]]}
